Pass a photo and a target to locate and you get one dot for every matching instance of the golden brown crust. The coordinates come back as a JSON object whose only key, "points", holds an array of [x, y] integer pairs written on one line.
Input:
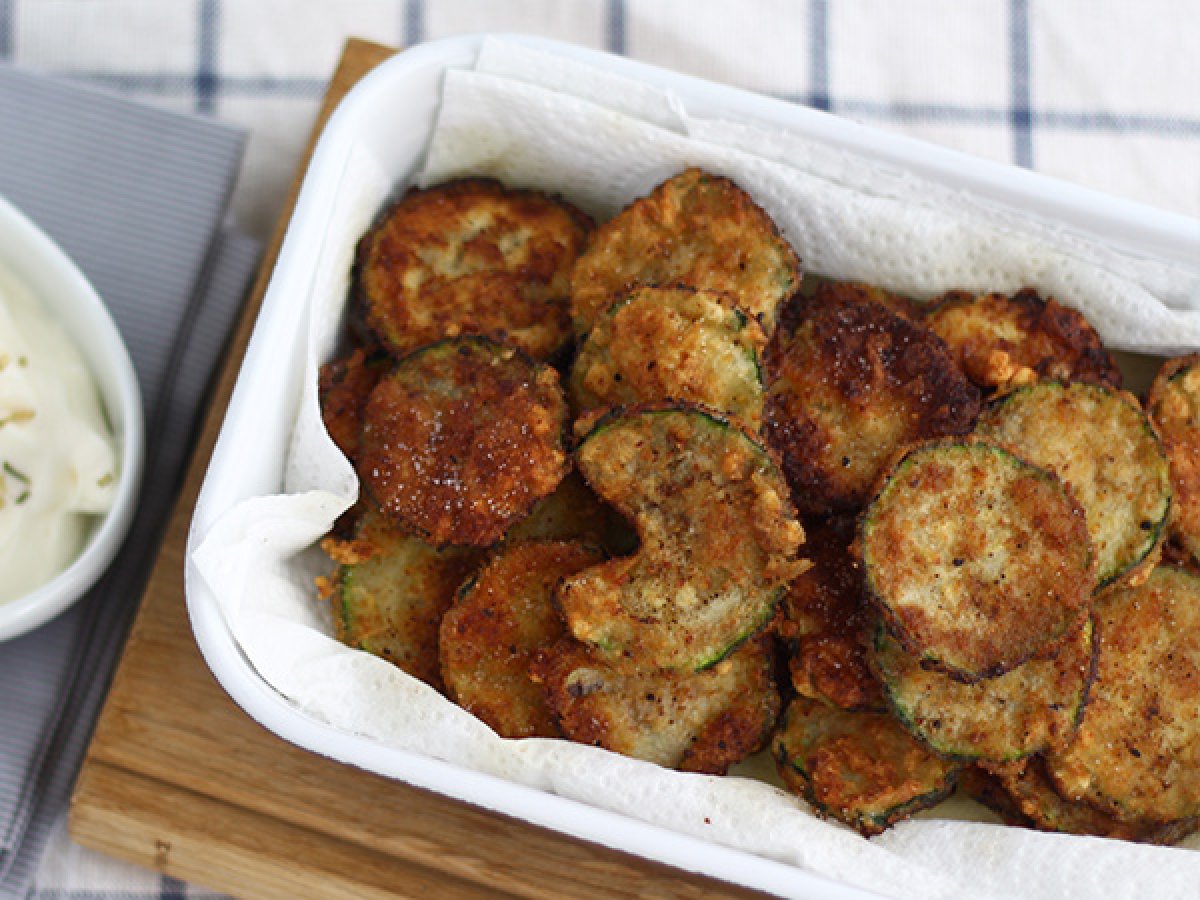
{"points": [[474, 258], [1137, 752], [696, 229], [1174, 407], [1030, 798], [390, 592], [462, 438], [489, 637], [718, 540], [343, 386], [694, 721], [1035, 707], [1101, 444], [862, 768], [574, 513], [984, 786], [848, 383], [1000, 340], [861, 292], [471, 257], [825, 621], [977, 560], [672, 344]]}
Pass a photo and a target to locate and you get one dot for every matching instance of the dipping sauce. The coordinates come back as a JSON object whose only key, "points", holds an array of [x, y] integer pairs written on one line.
{"points": [[58, 462]]}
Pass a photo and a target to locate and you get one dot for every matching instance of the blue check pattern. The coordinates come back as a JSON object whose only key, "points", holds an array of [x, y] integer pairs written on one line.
{"points": [[1102, 92], [1061, 86]]}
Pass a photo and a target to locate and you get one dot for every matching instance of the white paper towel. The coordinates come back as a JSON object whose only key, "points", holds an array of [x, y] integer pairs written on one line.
{"points": [[846, 217]]}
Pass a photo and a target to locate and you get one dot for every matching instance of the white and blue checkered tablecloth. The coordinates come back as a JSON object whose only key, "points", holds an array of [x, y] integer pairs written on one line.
{"points": [[1105, 93], [1102, 92]]}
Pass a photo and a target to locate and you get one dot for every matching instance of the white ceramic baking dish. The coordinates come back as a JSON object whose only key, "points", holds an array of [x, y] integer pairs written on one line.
{"points": [[386, 120]]}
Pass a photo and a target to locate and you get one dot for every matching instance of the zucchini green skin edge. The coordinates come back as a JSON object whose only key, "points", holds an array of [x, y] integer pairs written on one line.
{"points": [[880, 821], [739, 318], [346, 603], [720, 656], [866, 821], [869, 521], [390, 603], [735, 324], [1154, 534], [907, 718], [706, 660], [1143, 701], [346, 588]]}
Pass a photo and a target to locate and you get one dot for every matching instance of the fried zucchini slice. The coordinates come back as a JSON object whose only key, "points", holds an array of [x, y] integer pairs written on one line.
{"points": [[694, 721], [826, 617], [861, 768], [1101, 444], [390, 591], [1028, 797], [848, 383], [461, 438], [1137, 752], [1174, 408], [471, 257], [696, 229], [977, 559], [717, 540], [343, 385], [501, 618], [1034, 707], [574, 513], [983, 786], [904, 307], [999, 340], [664, 344]]}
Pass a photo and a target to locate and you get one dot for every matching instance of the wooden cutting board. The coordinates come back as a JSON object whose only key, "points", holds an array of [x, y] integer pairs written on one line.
{"points": [[177, 778]]}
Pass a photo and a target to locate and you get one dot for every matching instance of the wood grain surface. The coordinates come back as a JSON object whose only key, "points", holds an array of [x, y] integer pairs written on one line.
{"points": [[177, 778]]}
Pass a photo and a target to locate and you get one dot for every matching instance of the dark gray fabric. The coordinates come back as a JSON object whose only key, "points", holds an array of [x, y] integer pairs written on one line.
{"points": [[136, 196]]}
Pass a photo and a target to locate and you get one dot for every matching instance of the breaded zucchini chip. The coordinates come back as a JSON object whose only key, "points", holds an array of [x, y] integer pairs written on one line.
{"points": [[826, 617], [672, 344], [1028, 797], [574, 513], [848, 383], [696, 229], [861, 768], [471, 257], [1000, 340], [694, 721], [1174, 407], [904, 307], [390, 591], [718, 540], [977, 559], [343, 385], [1137, 752], [1034, 707], [461, 438], [1101, 444], [983, 786], [501, 618]]}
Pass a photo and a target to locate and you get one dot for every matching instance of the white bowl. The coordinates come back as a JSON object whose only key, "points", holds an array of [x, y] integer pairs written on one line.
{"points": [[39, 263]]}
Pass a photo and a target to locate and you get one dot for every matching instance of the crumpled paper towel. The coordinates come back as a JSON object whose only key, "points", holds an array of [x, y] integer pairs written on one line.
{"points": [[602, 145]]}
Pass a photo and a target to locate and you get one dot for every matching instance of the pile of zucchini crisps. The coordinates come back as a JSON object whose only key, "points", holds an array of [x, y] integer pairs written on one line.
{"points": [[639, 486]]}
